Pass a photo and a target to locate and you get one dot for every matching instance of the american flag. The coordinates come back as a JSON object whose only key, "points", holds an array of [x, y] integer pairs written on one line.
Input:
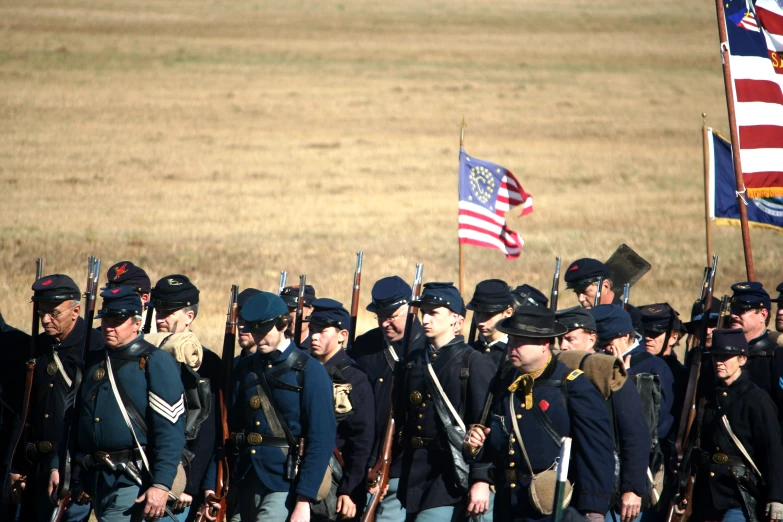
{"points": [[755, 38], [486, 192]]}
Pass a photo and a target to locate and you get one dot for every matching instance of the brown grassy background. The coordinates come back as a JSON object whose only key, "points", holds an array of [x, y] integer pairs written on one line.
{"points": [[231, 140]]}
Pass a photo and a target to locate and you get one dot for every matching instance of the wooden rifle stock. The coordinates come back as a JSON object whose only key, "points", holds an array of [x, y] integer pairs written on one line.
{"points": [[299, 312], [19, 435], [681, 505], [224, 393], [357, 283], [553, 297]]}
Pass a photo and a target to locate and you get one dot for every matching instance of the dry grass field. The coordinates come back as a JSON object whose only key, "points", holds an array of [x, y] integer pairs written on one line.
{"points": [[231, 140]]}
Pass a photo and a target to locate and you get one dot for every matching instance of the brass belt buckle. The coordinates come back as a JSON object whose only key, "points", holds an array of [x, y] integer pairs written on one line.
{"points": [[254, 439], [44, 446], [417, 443], [720, 458]]}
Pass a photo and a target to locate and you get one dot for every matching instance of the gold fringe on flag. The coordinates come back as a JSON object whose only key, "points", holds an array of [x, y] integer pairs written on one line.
{"points": [[766, 192], [736, 223]]}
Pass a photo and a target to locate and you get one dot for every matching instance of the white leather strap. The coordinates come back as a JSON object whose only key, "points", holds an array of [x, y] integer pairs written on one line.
{"points": [[443, 395], [59, 364], [745, 454], [124, 411]]}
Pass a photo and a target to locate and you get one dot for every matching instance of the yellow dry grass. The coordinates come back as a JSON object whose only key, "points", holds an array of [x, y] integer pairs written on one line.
{"points": [[231, 140]]}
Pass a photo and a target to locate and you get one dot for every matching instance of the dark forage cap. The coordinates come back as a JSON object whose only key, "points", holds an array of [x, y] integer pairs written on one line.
{"points": [[244, 295], [388, 294], [290, 295], [530, 295], [492, 295], [659, 318], [126, 273], [122, 302], [442, 294], [261, 311], [611, 322], [779, 299], [697, 315], [750, 295], [585, 271], [575, 318], [55, 287], [728, 342], [328, 312], [532, 321], [174, 292]]}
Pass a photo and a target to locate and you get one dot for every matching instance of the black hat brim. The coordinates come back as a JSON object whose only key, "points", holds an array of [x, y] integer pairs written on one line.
{"points": [[119, 314], [375, 307], [507, 327], [259, 328], [486, 307]]}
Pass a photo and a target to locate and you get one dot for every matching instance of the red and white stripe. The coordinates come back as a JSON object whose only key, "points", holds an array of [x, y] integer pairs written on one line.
{"points": [[512, 194], [758, 92], [480, 227]]}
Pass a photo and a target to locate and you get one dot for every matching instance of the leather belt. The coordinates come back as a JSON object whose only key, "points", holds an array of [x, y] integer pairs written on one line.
{"points": [[722, 458], [42, 447], [96, 459], [251, 438], [422, 442], [514, 475]]}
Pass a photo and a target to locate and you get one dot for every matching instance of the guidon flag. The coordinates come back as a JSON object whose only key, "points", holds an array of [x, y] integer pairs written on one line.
{"points": [[755, 43], [486, 192]]}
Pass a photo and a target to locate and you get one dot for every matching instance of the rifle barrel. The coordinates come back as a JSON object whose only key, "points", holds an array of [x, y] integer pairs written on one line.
{"points": [[299, 311], [555, 286], [281, 285], [597, 300], [357, 284]]}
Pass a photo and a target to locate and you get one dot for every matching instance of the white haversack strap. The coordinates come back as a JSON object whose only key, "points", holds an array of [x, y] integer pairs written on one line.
{"points": [[739, 445], [124, 412], [59, 364], [444, 396]]}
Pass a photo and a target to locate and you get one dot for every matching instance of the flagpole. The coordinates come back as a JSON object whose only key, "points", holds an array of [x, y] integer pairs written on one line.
{"points": [[707, 159], [735, 149], [462, 126]]}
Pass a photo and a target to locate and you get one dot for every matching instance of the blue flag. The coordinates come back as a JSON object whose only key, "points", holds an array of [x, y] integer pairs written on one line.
{"points": [[724, 205]]}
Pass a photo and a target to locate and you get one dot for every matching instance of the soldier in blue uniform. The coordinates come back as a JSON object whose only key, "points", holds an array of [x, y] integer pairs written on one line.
{"points": [[125, 273], [138, 375], [492, 302], [750, 309], [379, 352], [60, 349], [354, 404], [779, 315], [540, 403], [433, 413], [739, 450], [176, 302], [526, 295], [269, 486], [290, 295], [617, 337], [582, 277], [697, 315], [631, 433]]}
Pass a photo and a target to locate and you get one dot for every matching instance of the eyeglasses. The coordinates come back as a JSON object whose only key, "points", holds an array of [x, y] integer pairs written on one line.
{"points": [[388, 318], [54, 314]]}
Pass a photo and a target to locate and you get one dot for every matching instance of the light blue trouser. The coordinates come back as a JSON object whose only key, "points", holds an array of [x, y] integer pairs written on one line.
{"points": [[487, 517], [438, 514], [257, 503], [119, 505], [182, 517], [391, 509], [615, 517], [734, 515]]}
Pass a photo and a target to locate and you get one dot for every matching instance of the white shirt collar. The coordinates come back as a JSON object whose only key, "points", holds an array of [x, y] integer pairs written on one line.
{"points": [[503, 339], [283, 347]]}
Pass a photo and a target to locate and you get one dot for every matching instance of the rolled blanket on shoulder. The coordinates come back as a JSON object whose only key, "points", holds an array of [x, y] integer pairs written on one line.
{"points": [[607, 373], [184, 347]]}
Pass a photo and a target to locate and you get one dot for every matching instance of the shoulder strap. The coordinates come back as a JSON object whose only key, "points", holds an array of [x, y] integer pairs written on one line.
{"points": [[122, 395], [725, 423], [442, 394], [292, 442], [464, 374], [125, 414]]}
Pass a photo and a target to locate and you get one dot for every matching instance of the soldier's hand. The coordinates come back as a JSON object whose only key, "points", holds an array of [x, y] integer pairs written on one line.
{"points": [[476, 437], [82, 498], [774, 511], [154, 503], [478, 499], [51, 489], [301, 512], [183, 501], [13, 488], [210, 503], [346, 507], [630, 504]]}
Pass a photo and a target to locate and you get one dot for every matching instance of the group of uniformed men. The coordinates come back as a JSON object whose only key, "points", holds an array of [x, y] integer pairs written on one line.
{"points": [[478, 423]]}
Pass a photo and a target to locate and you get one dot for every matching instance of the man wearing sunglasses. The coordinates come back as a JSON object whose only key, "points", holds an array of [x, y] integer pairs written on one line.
{"points": [[59, 352]]}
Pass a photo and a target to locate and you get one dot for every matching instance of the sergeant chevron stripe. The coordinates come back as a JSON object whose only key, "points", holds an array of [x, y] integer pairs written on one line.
{"points": [[170, 412], [69, 399]]}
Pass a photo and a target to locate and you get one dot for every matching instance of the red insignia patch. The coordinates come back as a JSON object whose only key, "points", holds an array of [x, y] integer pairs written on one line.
{"points": [[543, 405], [116, 290], [120, 270], [47, 282], [573, 268]]}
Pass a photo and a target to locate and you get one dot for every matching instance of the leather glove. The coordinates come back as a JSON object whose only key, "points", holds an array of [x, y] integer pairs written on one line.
{"points": [[774, 511]]}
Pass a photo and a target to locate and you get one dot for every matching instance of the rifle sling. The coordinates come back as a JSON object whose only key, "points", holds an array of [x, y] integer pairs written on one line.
{"points": [[277, 422]]}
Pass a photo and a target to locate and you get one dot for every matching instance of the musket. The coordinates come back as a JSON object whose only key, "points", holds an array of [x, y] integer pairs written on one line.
{"points": [[555, 286], [681, 505], [72, 424], [19, 435], [626, 295], [283, 279], [597, 299], [562, 478], [379, 473], [357, 283], [299, 311], [147, 328], [227, 365], [724, 316]]}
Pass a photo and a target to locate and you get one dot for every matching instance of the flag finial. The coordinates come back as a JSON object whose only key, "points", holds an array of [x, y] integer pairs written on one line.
{"points": [[462, 127]]}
